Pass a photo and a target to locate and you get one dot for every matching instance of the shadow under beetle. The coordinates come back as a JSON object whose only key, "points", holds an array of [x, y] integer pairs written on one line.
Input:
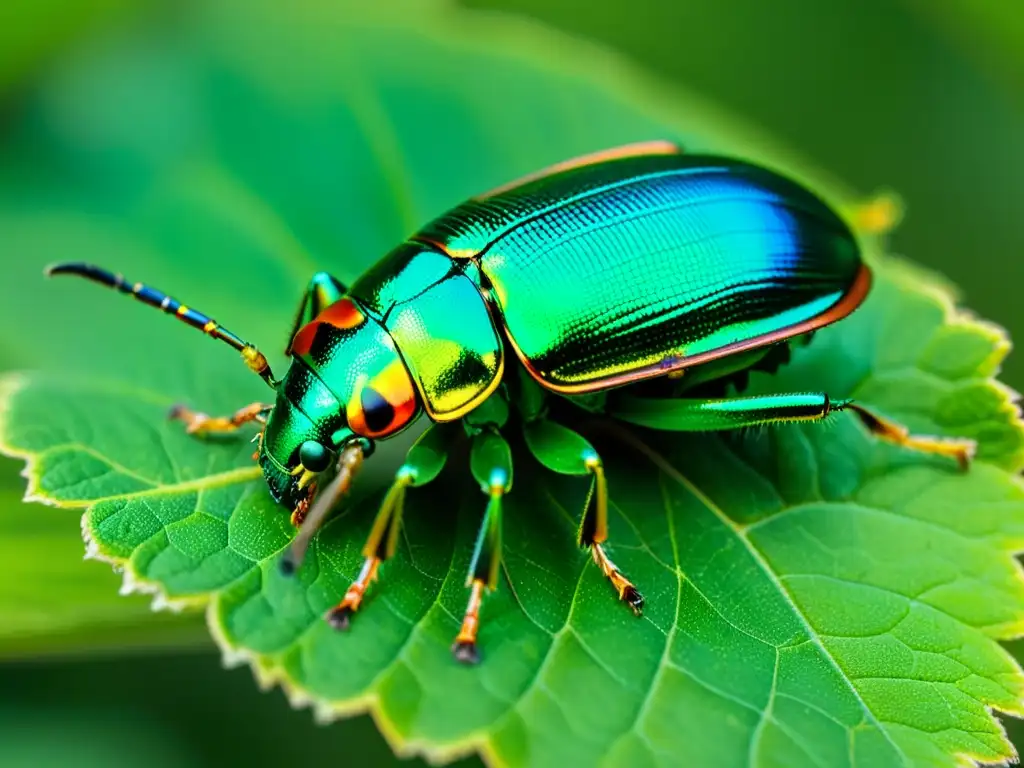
{"points": [[587, 277]]}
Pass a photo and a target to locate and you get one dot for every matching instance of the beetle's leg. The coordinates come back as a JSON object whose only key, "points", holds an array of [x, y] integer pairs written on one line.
{"points": [[323, 290], [491, 462], [201, 424], [380, 545], [302, 507], [960, 449], [312, 516], [562, 450], [692, 415], [423, 463]]}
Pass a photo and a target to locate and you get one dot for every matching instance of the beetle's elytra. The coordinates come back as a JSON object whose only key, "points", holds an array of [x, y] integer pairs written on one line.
{"points": [[590, 276]]}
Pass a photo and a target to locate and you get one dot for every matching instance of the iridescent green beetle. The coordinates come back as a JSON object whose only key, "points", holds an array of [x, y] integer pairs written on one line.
{"points": [[633, 264]]}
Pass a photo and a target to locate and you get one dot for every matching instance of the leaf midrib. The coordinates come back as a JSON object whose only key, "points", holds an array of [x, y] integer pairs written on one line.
{"points": [[670, 471]]}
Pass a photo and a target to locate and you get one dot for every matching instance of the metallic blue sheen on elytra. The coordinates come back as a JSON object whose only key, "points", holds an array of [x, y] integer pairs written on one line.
{"points": [[620, 270]]}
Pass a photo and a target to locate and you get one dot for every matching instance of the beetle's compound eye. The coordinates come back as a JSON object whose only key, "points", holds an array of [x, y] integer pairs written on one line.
{"points": [[384, 404], [315, 456]]}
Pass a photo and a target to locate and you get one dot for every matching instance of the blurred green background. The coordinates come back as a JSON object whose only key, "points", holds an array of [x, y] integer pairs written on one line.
{"points": [[923, 96]]}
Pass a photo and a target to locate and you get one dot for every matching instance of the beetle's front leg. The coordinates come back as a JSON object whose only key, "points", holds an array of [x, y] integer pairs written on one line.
{"points": [[562, 450], [200, 424], [302, 508], [695, 415], [491, 463], [423, 463]]}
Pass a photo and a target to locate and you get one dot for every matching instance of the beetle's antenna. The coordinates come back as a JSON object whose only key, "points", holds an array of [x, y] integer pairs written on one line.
{"points": [[252, 356], [348, 464]]}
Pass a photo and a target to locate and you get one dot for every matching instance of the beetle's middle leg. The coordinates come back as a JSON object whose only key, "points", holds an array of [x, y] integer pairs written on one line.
{"points": [[698, 415], [562, 450], [491, 464]]}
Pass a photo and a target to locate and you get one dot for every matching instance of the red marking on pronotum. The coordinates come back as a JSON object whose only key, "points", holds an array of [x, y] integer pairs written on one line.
{"points": [[341, 314]]}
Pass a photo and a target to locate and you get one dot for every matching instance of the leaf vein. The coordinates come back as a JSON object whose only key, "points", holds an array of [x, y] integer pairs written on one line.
{"points": [[758, 556]]}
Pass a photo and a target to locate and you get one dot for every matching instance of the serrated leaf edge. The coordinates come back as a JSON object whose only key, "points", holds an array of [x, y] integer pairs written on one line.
{"points": [[525, 38], [10, 385], [267, 676]]}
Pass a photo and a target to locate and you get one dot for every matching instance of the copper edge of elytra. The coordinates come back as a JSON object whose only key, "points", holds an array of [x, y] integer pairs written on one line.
{"points": [[852, 299], [655, 147]]}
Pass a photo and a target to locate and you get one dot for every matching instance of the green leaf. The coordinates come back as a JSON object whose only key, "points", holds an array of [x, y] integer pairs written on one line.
{"points": [[813, 597]]}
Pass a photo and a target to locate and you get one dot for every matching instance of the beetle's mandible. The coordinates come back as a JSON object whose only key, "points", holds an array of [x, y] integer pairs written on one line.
{"points": [[631, 265]]}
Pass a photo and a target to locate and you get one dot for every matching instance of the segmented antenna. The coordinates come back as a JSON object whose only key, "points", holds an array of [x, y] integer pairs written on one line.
{"points": [[154, 298]]}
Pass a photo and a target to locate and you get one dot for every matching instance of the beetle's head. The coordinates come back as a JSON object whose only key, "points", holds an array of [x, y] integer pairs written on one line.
{"points": [[347, 382]]}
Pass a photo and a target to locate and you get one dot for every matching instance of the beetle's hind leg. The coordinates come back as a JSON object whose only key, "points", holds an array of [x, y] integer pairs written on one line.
{"points": [[891, 432], [562, 450], [200, 424], [424, 461], [709, 415]]}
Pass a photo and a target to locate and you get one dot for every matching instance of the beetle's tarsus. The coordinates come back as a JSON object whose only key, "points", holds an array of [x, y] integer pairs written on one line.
{"points": [[287, 564], [632, 597], [466, 652], [960, 450], [464, 648], [340, 618], [200, 424], [627, 592]]}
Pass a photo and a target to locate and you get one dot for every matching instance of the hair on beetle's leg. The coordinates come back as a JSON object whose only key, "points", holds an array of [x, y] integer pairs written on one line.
{"points": [[424, 461], [695, 415], [491, 462], [962, 450], [200, 424], [562, 450], [716, 414], [302, 508]]}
